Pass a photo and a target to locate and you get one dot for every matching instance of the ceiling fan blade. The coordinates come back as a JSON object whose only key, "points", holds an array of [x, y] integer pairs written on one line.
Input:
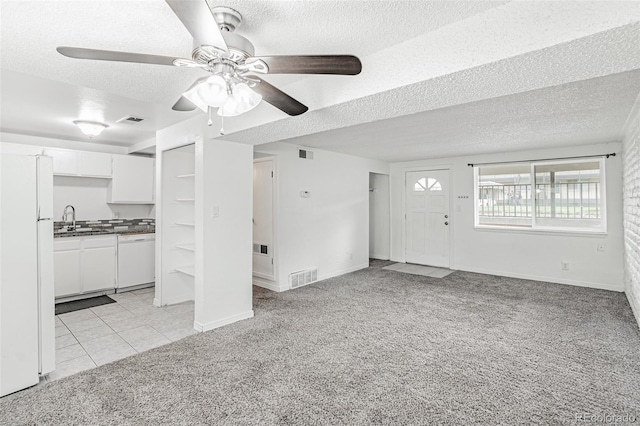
{"points": [[319, 64], [197, 18], [183, 104], [278, 98], [111, 55]]}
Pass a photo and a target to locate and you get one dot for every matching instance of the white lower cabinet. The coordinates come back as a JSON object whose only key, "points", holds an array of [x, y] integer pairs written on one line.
{"points": [[66, 275], [84, 264]]}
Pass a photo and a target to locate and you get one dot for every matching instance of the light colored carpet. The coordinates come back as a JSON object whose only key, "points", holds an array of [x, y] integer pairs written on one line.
{"points": [[374, 346], [426, 271]]}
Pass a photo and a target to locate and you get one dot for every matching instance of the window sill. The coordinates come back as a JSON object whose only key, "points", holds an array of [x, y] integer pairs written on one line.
{"points": [[542, 231]]}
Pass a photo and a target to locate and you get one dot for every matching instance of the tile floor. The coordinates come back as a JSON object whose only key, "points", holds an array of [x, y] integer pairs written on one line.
{"points": [[91, 337], [427, 271]]}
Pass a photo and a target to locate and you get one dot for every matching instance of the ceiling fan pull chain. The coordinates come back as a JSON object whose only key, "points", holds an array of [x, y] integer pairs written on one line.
{"points": [[222, 125], [210, 122]]}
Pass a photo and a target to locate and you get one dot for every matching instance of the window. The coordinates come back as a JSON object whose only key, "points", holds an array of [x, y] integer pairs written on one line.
{"points": [[427, 184], [565, 195]]}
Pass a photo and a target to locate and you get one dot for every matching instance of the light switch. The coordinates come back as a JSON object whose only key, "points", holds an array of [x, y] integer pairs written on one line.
{"points": [[215, 211]]}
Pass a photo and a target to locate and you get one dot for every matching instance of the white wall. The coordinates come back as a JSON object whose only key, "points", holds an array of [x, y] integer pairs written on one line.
{"points": [[330, 229], [89, 197], [522, 254], [224, 200], [631, 218], [379, 220]]}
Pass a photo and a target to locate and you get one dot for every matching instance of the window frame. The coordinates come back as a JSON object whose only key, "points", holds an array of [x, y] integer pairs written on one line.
{"points": [[602, 230]]}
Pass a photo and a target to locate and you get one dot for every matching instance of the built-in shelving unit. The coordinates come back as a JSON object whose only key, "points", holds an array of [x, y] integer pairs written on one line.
{"points": [[178, 202], [187, 270]]}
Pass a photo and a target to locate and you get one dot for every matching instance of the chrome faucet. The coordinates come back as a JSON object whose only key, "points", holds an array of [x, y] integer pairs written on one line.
{"points": [[65, 216]]}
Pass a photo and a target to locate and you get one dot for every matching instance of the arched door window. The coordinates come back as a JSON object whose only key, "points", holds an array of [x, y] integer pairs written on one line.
{"points": [[425, 184]]}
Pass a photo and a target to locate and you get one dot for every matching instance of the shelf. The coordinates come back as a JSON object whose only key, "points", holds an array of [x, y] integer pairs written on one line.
{"points": [[186, 176], [187, 246], [186, 199], [187, 270], [185, 224]]}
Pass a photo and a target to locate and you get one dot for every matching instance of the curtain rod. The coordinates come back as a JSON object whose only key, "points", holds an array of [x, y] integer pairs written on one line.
{"points": [[613, 154]]}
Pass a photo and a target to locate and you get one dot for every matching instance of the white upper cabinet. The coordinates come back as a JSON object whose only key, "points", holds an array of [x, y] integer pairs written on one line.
{"points": [[132, 180], [95, 164], [65, 162], [80, 163]]}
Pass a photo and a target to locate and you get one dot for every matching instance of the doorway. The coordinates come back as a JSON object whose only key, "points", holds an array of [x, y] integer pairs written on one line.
{"points": [[263, 218], [427, 218], [379, 217]]}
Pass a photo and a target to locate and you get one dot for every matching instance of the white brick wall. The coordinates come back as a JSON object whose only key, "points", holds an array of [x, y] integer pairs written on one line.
{"points": [[631, 208]]}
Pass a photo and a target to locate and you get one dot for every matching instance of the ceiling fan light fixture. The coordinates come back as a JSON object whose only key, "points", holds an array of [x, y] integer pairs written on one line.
{"points": [[211, 91], [90, 128], [241, 100]]}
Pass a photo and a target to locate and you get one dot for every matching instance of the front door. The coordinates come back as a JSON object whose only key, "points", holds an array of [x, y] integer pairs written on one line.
{"points": [[427, 219]]}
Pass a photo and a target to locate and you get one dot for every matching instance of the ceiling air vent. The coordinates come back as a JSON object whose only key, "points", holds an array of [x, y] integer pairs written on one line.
{"points": [[130, 119], [300, 278], [303, 153]]}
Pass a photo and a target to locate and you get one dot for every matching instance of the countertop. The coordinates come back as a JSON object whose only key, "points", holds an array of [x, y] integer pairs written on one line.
{"points": [[138, 229]]}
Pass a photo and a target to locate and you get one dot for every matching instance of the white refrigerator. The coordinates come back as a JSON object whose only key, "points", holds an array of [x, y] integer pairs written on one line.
{"points": [[27, 312]]}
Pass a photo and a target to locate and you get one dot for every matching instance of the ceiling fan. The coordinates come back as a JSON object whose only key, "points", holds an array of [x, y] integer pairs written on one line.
{"points": [[234, 85]]}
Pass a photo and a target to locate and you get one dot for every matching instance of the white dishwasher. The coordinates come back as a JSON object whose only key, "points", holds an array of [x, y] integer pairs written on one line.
{"points": [[136, 260]]}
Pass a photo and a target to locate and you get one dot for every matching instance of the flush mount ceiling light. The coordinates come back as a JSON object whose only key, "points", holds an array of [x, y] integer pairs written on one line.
{"points": [[90, 128]]}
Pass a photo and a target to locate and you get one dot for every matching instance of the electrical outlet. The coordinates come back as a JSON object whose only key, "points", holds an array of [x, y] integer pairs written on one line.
{"points": [[564, 266], [601, 247]]}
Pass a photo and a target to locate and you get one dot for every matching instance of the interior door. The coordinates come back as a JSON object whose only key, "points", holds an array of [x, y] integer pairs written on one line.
{"points": [[427, 218], [263, 219]]}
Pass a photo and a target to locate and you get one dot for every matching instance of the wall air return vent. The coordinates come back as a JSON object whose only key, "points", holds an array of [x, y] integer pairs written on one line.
{"points": [[131, 119], [300, 278], [303, 153], [261, 248]]}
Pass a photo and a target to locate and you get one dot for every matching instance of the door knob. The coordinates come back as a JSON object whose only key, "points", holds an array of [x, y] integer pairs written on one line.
{"points": [[446, 216], [446, 223]]}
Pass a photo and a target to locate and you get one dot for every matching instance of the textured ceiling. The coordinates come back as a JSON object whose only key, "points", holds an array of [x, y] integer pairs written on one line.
{"points": [[418, 56], [589, 111]]}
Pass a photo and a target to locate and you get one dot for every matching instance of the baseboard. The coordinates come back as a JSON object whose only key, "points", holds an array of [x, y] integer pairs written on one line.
{"points": [[342, 272], [556, 280], [156, 302], [84, 296], [176, 299], [280, 288], [379, 256], [222, 322], [269, 285], [635, 304]]}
